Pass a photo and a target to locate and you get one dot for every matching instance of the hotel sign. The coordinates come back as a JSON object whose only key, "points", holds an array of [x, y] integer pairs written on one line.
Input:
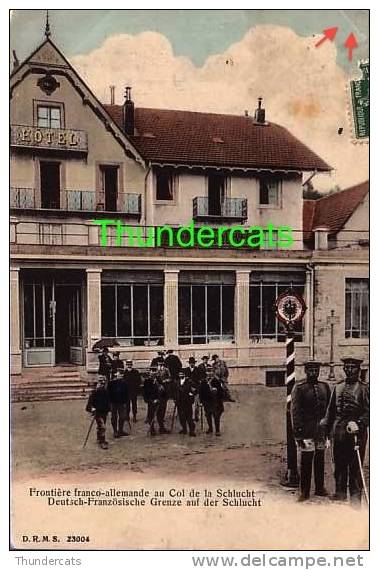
{"points": [[44, 138]]}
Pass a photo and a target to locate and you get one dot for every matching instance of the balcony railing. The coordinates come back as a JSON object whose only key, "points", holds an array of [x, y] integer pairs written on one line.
{"points": [[230, 208], [130, 204], [76, 201], [22, 197], [81, 200]]}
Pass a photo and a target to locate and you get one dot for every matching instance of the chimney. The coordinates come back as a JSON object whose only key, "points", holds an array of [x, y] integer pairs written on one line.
{"points": [[112, 88], [128, 112], [259, 115]]}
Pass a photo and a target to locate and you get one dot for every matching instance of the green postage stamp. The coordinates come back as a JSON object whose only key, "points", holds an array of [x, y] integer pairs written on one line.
{"points": [[360, 102]]}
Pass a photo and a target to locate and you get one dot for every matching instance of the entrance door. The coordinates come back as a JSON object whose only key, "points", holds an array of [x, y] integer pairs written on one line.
{"points": [[110, 187], [50, 185], [68, 324]]}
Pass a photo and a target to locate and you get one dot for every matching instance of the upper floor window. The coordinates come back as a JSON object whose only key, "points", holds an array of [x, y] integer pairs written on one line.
{"points": [[269, 192], [165, 184], [48, 116], [356, 308]]}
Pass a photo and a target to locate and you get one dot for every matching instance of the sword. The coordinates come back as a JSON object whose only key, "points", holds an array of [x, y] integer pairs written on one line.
{"points": [[89, 431], [356, 448]]}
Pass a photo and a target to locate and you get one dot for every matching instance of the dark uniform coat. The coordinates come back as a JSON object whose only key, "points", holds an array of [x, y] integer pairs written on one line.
{"points": [[349, 402], [309, 402]]}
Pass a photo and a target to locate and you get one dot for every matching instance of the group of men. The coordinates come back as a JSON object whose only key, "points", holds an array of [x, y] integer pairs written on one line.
{"points": [[116, 392], [192, 388], [342, 414]]}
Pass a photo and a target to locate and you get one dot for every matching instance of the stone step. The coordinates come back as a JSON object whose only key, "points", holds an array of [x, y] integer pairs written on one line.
{"points": [[50, 383]]}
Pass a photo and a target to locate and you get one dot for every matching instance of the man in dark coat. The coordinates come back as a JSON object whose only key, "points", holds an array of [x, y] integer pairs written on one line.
{"points": [[118, 397], [116, 364], [202, 368], [99, 405], [309, 402], [155, 395], [105, 364], [347, 419], [133, 380], [192, 372], [185, 395], [211, 396], [174, 364]]}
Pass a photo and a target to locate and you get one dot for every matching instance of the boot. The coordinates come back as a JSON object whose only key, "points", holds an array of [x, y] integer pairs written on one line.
{"points": [[162, 430], [134, 419], [103, 444], [183, 431], [319, 467], [192, 434]]}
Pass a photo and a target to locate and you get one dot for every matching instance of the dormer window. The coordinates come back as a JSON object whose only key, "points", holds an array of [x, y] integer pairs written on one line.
{"points": [[269, 192], [165, 184], [48, 116]]}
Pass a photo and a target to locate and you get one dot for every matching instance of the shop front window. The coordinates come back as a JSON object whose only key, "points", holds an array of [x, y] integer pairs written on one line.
{"points": [[132, 313], [206, 313]]}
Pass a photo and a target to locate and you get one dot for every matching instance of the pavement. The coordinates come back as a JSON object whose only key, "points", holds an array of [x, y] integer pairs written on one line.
{"points": [[47, 449]]}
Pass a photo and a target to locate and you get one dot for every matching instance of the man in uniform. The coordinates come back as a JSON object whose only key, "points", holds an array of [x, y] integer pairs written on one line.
{"points": [[347, 419], [132, 378], [118, 397], [185, 395], [309, 402], [99, 405]]}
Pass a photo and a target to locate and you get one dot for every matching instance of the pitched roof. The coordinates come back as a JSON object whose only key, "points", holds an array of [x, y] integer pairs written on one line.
{"points": [[333, 211], [186, 137], [48, 55]]}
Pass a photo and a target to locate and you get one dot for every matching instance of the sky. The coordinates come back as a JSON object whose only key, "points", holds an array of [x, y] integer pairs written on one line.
{"points": [[221, 61]]}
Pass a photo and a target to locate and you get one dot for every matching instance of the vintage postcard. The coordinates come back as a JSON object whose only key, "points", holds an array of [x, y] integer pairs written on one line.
{"points": [[189, 279]]}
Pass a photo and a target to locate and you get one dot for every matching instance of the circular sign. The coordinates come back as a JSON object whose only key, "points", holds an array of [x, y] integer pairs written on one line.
{"points": [[290, 307]]}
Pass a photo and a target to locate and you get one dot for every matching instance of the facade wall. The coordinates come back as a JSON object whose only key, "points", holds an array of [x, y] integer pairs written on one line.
{"points": [[329, 295], [77, 173]]}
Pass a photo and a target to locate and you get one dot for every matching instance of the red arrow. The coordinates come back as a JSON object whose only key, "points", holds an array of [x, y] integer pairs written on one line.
{"points": [[329, 33], [350, 44]]}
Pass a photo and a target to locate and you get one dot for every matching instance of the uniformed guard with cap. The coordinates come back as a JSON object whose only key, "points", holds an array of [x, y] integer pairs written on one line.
{"points": [[347, 420], [309, 403]]}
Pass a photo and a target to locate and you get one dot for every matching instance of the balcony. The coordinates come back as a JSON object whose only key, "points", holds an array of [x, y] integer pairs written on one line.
{"points": [[229, 209], [44, 138], [76, 201]]}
